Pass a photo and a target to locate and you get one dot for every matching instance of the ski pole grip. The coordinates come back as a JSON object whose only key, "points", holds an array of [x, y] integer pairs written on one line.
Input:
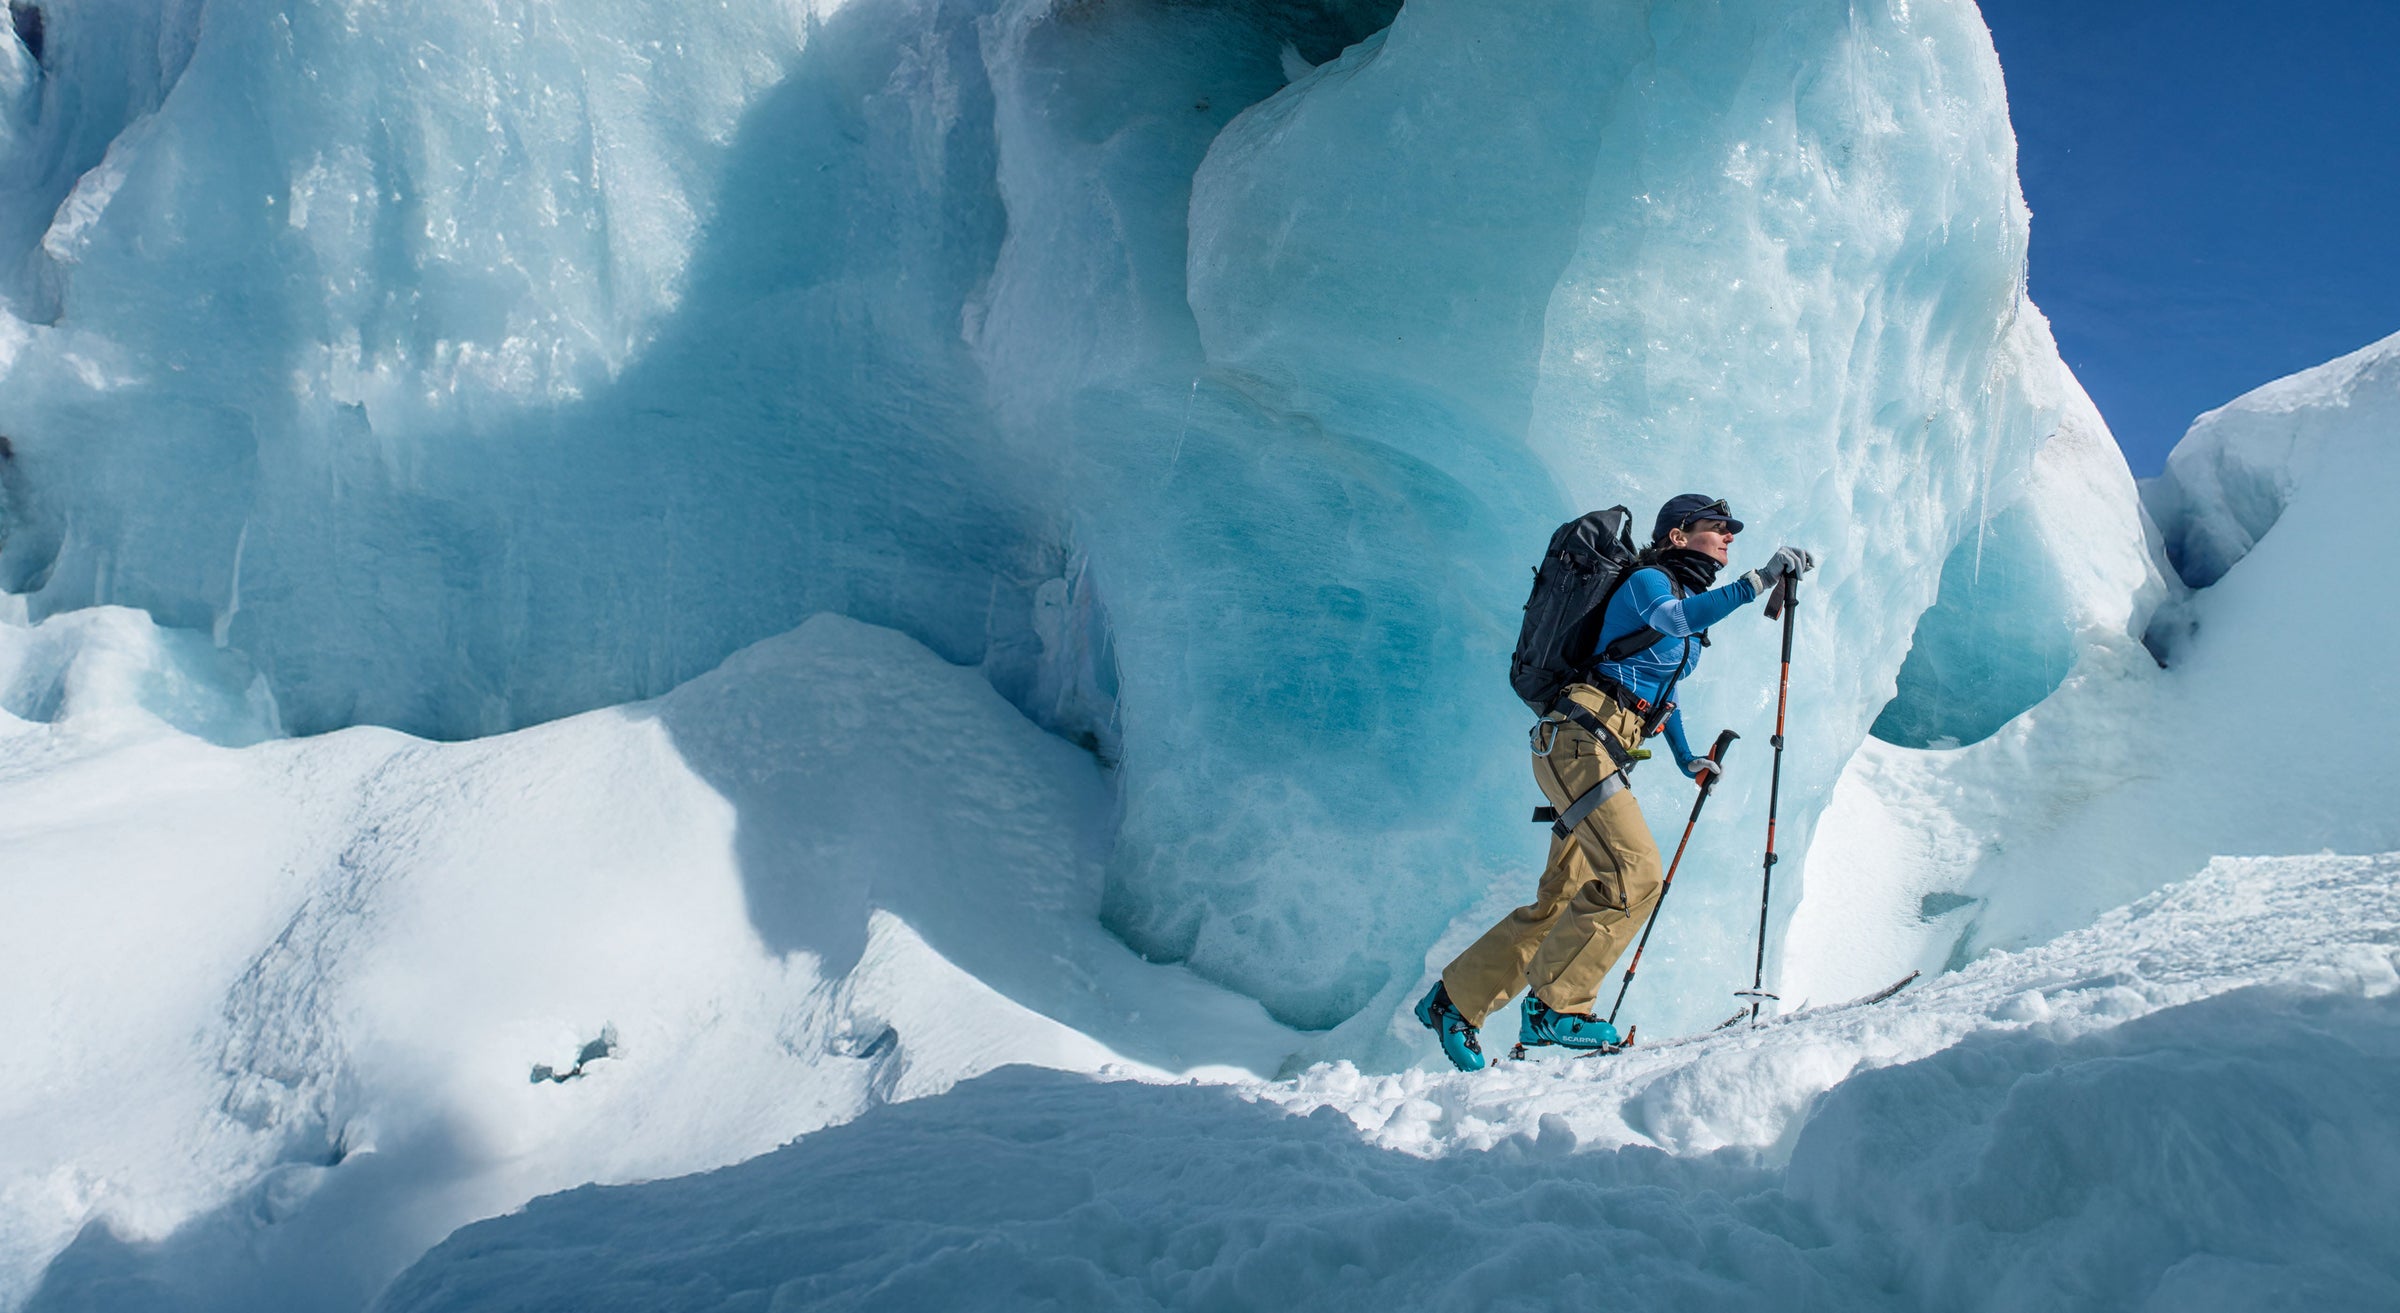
{"points": [[1781, 596], [1716, 753], [1791, 612]]}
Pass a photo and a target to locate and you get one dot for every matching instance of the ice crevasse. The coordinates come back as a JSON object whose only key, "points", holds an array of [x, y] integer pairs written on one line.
{"points": [[1207, 374]]}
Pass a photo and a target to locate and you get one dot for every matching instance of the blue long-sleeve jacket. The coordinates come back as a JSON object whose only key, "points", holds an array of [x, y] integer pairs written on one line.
{"points": [[1647, 598]]}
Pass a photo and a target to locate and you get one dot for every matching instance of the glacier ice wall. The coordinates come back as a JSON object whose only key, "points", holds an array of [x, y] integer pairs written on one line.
{"points": [[2070, 569], [2265, 731], [447, 360], [1208, 373], [2012, 708], [1792, 277]]}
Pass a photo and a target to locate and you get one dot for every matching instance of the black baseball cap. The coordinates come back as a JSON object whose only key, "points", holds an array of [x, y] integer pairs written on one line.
{"points": [[1679, 512]]}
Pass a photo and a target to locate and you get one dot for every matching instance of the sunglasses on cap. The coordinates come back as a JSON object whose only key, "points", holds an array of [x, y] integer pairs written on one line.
{"points": [[1717, 511]]}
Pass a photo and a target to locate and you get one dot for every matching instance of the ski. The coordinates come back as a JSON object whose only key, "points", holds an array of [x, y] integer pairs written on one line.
{"points": [[1888, 990], [1630, 1032], [1518, 1052], [1862, 1001]]}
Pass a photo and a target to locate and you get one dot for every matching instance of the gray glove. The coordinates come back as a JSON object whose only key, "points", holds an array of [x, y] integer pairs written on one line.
{"points": [[1786, 560], [1696, 765]]}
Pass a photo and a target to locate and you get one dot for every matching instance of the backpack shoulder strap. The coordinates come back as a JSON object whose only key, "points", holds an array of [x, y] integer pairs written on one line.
{"points": [[1642, 639], [1666, 696]]}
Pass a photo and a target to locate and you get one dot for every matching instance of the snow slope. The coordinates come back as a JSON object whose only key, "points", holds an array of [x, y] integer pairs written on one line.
{"points": [[275, 1008], [2239, 469], [2194, 1104]]}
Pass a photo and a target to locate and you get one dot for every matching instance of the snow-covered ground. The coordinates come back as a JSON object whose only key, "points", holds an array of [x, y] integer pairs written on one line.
{"points": [[276, 1008], [2193, 1104]]}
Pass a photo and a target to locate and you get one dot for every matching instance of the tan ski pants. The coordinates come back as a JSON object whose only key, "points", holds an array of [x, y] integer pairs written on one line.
{"points": [[1598, 888]]}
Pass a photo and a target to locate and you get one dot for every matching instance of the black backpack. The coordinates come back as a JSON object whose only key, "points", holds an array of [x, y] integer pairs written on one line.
{"points": [[1588, 557]]}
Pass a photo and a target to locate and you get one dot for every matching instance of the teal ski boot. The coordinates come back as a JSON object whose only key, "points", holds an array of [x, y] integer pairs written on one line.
{"points": [[1441, 1016], [1568, 1030]]}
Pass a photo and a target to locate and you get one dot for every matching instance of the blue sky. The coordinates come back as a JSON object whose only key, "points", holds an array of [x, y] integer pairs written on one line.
{"points": [[2215, 188]]}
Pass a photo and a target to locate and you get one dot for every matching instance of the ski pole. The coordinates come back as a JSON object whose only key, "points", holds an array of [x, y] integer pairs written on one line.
{"points": [[1708, 784], [1786, 599]]}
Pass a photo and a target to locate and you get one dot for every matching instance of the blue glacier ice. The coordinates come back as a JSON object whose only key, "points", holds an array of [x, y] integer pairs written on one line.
{"points": [[1961, 680], [2070, 572], [1207, 374]]}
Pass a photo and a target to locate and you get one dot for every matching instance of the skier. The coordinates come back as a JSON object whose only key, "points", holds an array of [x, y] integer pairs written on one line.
{"points": [[1602, 879]]}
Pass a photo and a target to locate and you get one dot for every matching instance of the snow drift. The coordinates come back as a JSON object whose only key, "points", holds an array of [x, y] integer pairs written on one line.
{"points": [[304, 985], [2191, 1105]]}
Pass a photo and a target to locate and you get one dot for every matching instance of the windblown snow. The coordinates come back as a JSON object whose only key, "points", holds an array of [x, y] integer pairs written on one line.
{"points": [[847, 654]]}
